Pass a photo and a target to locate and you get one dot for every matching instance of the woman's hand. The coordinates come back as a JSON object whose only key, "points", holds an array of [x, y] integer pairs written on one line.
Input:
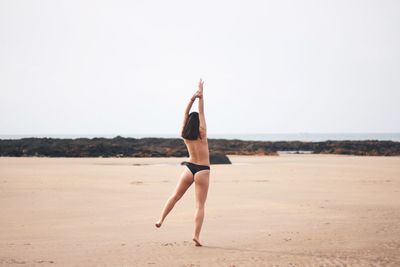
{"points": [[199, 92], [200, 85]]}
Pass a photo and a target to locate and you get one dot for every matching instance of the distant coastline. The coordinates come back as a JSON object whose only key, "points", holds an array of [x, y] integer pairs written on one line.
{"points": [[174, 147]]}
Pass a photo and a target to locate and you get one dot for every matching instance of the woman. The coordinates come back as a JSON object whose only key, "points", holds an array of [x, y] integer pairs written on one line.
{"points": [[194, 133]]}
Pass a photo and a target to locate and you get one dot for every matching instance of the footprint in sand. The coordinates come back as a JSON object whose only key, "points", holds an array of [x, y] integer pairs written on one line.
{"points": [[42, 261], [14, 261], [137, 182]]}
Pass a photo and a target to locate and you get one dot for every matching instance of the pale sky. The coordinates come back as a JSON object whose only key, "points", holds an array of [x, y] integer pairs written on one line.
{"points": [[118, 67]]}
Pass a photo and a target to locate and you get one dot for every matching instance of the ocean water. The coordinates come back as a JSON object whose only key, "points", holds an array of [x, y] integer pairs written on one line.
{"points": [[313, 137]]}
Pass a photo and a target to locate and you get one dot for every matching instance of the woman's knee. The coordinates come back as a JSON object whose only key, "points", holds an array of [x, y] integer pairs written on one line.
{"points": [[200, 205]]}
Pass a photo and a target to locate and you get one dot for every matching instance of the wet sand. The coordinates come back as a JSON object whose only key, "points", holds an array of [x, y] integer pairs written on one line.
{"points": [[287, 210]]}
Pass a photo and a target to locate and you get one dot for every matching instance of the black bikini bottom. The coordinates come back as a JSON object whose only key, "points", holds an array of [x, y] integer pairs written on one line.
{"points": [[195, 167]]}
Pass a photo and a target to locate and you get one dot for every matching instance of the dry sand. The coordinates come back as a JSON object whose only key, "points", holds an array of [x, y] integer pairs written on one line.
{"points": [[288, 210]]}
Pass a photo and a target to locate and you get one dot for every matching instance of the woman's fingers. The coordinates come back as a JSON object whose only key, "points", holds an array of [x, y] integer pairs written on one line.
{"points": [[201, 82]]}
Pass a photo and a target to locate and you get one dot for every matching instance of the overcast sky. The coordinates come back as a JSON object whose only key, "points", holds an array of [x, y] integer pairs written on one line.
{"points": [[118, 67]]}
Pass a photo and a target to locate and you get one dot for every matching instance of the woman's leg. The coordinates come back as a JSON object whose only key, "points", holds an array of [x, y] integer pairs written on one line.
{"points": [[184, 183], [201, 187]]}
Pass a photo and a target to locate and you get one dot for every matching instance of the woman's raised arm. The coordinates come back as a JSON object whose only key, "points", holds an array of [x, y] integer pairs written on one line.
{"points": [[187, 109], [198, 94], [202, 117]]}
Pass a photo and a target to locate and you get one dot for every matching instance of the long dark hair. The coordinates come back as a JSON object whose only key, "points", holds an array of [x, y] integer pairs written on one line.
{"points": [[191, 129]]}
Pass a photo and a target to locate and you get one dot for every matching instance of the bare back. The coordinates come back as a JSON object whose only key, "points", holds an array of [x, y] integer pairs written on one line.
{"points": [[198, 150]]}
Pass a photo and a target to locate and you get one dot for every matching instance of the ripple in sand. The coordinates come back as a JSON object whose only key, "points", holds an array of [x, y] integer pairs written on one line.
{"points": [[375, 181]]}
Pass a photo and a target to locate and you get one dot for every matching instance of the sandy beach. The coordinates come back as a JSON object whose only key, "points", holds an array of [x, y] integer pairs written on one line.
{"points": [[287, 210]]}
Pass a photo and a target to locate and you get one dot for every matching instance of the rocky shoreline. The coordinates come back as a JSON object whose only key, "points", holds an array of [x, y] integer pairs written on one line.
{"points": [[174, 147]]}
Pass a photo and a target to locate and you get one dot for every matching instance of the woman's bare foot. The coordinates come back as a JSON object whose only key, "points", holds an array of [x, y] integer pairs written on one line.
{"points": [[197, 242], [158, 224]]}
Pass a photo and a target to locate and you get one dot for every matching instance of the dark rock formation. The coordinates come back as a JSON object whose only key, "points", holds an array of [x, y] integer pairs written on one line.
{"points": [[219, 158], [174, 147]]}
